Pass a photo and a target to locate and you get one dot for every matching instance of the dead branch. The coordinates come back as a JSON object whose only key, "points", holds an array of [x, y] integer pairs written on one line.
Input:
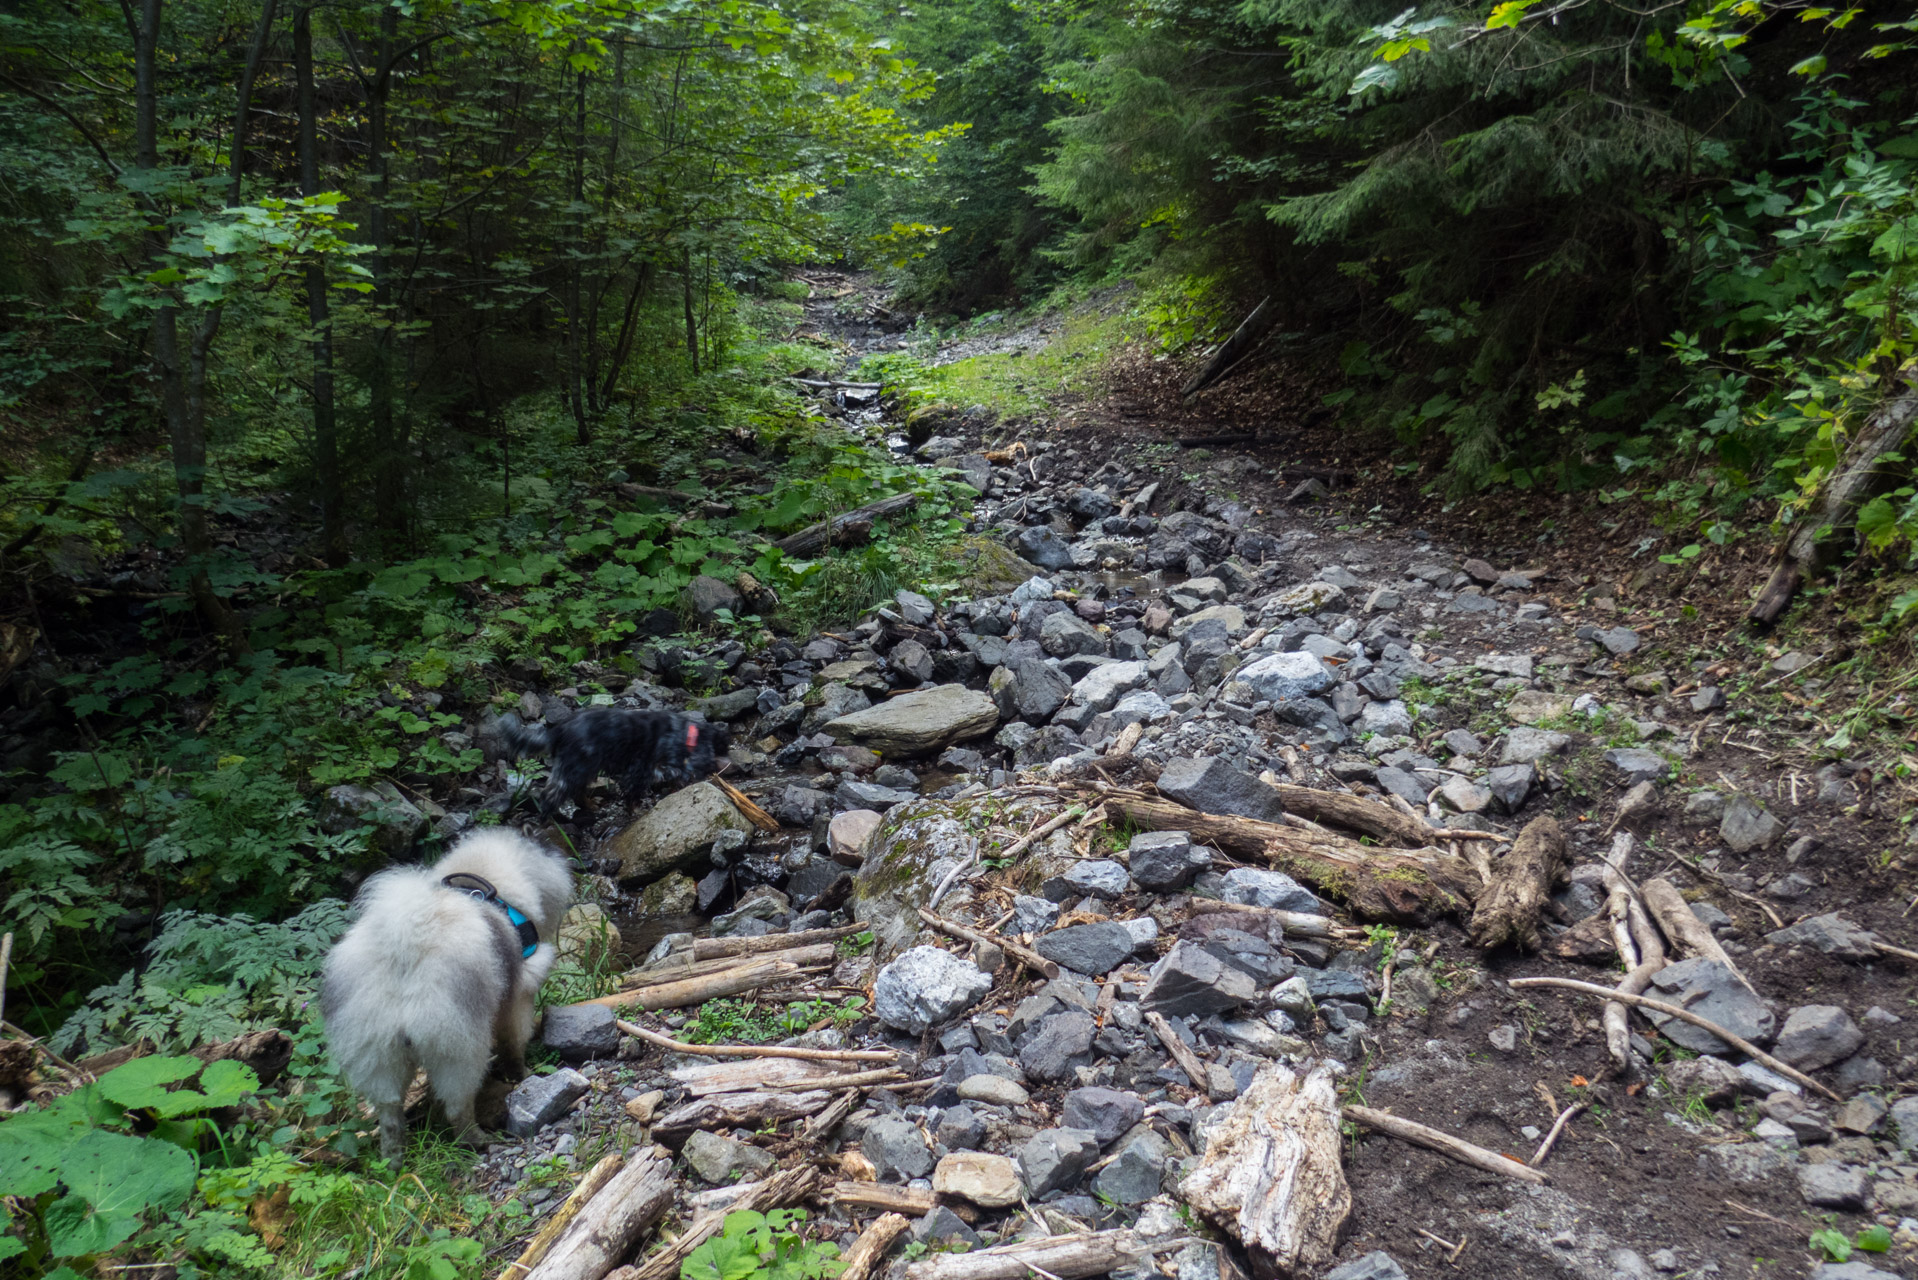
{"points": [[1508, 909], [756, 1050], [1024, 955], [1444, 1143]]}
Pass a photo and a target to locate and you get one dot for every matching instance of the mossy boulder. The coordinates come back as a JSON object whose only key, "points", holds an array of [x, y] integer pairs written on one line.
{"points": [[986, 568]]}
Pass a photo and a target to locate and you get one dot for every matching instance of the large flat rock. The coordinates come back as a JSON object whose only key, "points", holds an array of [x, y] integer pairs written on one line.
{"points": [[922, 721], [675, 832]]}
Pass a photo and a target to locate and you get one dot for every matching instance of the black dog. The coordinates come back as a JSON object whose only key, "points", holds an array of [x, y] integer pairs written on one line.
{"points": [[636, 749]]}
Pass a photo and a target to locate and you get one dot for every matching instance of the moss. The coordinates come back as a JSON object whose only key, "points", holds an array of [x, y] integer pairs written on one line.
{"points": [[985, 568]]}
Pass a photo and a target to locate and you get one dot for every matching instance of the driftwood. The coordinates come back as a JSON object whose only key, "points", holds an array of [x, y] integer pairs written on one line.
{"points": [[714, 948], [1343, 809], [843, 530], [607, 1226], [1558, 1127], [681, 992], [683, 966], [1642, 951], [1250, 332], [1024, 955], [1297, 924], [1684, 928], [1737, 1042], [744, 803], [822, 1125], [1444, 1143], [785, 1188], [1400, 885], [1066, 1257], [1272, 1175], [1819, 536], [871, 1245], [596, 1177], [746, 1110], [756, 1050], [1509, 906], [887, 1198], [1181, 1051], [709, 1078]]}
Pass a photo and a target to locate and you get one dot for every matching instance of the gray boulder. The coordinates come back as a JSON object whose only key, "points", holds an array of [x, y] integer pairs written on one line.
{"points": [[1106, 1112], [1138, 1174], [1210, 785], [1066, 634], [1748, 825], [1058, 1045], [897, 1149], [580, 1031], [1832, 935], [1635, 764], [1103, 686], [1710, 990], [1256, 887], [926, 986], [1189, 981], [1165, 861], [1040, 545], [707, 596], [540, 1100], [1054, 1159], [919, 722], [1091, 949], [675, 832], [1281, 677], [1817, 1035], [1511, 785], [721, 1160], [1031, 690], [396, 821]]}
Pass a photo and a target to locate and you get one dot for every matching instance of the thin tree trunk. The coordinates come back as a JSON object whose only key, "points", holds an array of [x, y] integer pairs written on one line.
{"points": [[628, 330], [575, 310], [389, 481], [692, 324], [326, 450]]}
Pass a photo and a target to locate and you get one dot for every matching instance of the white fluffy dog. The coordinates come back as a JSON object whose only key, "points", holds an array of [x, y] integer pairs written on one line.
{"points": [[440, 970]]}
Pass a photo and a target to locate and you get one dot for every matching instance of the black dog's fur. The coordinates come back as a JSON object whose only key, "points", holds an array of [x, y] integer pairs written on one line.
{"points": [[636, 749]]}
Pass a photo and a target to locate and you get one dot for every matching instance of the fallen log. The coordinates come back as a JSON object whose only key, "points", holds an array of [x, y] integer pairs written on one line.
{"points": [[715, 948], [733, 1076], [1181, 1051], [1024, 955], [1508, 907], [1861, 475], [756, 1050], [1398, 885], [1065, 1257], [782, 1189], [911, 1201], [1272, 1174], [536, 1248], [1247, 336], [871, 1245], [1444, 1143], [1642, 951], [822, 1125], [748, 1110], [687, 969], [1343, 809], [1736, 1041], [1683, 927], [607, 1226], [681, 992], [843, 530]]}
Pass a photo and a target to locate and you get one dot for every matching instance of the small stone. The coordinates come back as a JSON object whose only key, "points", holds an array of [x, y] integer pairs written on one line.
{"points": [[1054, 1159], [989, 1181], [1511, 785], [1106, 1112], [577, 1032], [1504, 1038], [1713, 1080], [1098, 878], [942, 1227], [896, 1148], [960, 1129], [1832, 1186], [719, 1159], [1747, 825], [1139, 1172], [847, 833], [1710, 990], [1862, 1114], [1635, 764], [1091, 949], [540, 1100], [1211, 785], [994, 1090], [1256, 887], [1054, 1049], [1165, 861], [1831, 935], [1618, 641], [1526, 745], [1190, 981], [1710, 698], [1817, 1035], [1377, 1265], [926, 986]]}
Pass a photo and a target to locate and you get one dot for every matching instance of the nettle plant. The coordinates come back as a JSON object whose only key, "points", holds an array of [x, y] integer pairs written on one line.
{"points": [[762, 1246]]}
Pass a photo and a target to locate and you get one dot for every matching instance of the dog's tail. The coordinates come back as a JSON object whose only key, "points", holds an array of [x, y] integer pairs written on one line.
{"points": [[523, 740]]}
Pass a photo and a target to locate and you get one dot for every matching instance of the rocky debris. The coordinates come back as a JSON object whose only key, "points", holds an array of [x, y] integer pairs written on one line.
{"points": [[1165, 861], [1054, 1159], [579, 1031], [926, 986], [1710, 990], [676, 832], [1747, 825], [722, 1161], [540, 1100], [396, 822], [1817, 1035], [1190, 981], [897, 1149], [1831, 935], [1091, 949], [1211, 785], [919, 722], [1832, 1186], [989, 1181]]}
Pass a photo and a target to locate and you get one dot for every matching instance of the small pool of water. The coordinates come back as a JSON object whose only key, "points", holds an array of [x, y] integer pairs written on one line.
{"points": [[1118, 581]]}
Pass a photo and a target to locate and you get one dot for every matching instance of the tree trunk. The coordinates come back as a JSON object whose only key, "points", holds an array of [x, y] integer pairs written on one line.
{"points": [[1398, 885], [606, 1229], [1859, 477], [576, 336], [843, 530], [1272, 1175], [1236, 348], [326, 449], [686, 297], [1508, 907], [389, 449]]}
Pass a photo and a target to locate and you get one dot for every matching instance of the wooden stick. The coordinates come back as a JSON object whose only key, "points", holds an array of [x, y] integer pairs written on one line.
{"points": [[1024, 955], [1885, 948], [1356, 812], [1444, 1143], [1558, 1127], [596, 1177], [605, 1228], [822, 1125], [1737, 1042], [743, 802], [755, 1050], [714, 948], [871, 1245], [1061, 1257], [1684, 928], [682, 992], [856, 1079], [1181, 1052], [689, 968], [1006, 854], [882, 1196]]}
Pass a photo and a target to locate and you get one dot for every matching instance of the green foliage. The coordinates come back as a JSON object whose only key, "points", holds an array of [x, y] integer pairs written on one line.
{"points": [[754, 1246], [1837, 1248], [736, 1021]]}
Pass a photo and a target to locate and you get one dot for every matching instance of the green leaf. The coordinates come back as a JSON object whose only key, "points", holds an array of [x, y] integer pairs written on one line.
{"points": [[1874, 1239], [1836, 1247], [11, 1247], [142, 1082], [1508, 14], [29, 1159], [118, 1174], [76, 1230]]}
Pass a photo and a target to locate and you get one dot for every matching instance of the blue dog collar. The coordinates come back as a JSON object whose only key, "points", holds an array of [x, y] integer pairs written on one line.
{"points": [[483, 890]]}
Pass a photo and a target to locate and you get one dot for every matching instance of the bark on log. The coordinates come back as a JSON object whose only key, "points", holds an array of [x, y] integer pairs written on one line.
{"points": [[1521, 885], [1444, 1143], [1644, 953], [886, 1198], [1356, 812], [1861, 476], [762, 1073], [687, 969], [681, 992], [843, 530], [606, 1229], [1067, 1257], [872, 1244], [1407, 886], [724, 1111], [1272, 1174], [713, 948], [756, 1050], [1244, 339], [776, 1192], [588, 1187], [822, 1125], [1683, 927]]}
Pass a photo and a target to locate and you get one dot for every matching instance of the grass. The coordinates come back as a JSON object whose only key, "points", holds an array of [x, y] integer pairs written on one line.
{"points": [[733, 1021], [1017, 385]]}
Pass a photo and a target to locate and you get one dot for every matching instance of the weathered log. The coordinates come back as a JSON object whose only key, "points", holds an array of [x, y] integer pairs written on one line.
{"points": [[1244, 339], [706, 1079], [680, 992], [607, 1226], [843, 530], [1297, 924], [1181, 1052], [1860, 476], [1643, 952], [688, 968], [561, 1218], [1683, 927], [756, 1050], [1509, 906], [822, 1125], [1356, 812], [748, 1110], [1444, 1143], [782, 1189], [1398, 885], [714, 948], [1066, 1257], [886, 1198], [1272, 1174], [872, 1244], [1736, 1041]]}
